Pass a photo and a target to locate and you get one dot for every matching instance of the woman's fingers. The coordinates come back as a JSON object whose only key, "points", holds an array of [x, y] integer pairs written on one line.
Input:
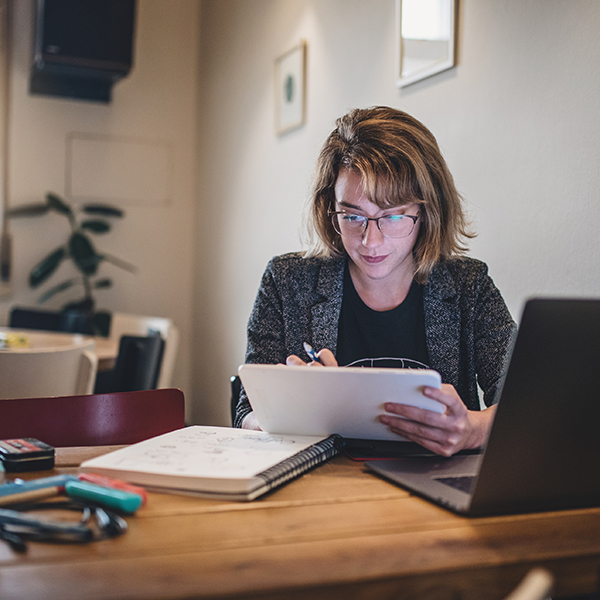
{"points": [[325, 355], [445, 433], [294, 361], [327, 358]]}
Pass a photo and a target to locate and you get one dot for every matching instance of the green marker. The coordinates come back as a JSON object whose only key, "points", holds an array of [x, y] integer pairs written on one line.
{"points": [[125, 502]]}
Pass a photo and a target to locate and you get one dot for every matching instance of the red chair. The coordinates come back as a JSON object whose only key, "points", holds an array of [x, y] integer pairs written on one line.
{"points": [[93, 419]]}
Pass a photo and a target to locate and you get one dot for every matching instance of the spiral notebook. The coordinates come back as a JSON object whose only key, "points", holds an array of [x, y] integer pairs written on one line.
{"points": [[215, 462]]}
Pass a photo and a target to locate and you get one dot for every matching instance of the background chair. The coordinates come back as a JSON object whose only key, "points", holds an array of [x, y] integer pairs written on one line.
{"points": [[24, 318], [236, 388], [70, 321], [140, 325], [114, 324], [95, 419], [137, 368], [55, 364]]}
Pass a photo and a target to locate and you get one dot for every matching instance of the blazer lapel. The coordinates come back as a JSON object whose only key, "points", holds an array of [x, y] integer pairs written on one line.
{"points": [[325, 313]]}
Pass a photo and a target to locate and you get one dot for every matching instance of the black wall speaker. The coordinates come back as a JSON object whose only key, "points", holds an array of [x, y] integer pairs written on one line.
{"points": [[82, 47]]}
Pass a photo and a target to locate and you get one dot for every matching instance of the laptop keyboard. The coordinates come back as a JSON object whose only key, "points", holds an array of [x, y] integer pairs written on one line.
{"points": [[463, 483]]}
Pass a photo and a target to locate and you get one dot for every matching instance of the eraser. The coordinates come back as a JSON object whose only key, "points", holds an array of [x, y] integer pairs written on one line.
{"points": [[26, 454]]}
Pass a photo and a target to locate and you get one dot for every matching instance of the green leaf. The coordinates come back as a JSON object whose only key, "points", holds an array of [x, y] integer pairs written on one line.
{"points": [[57, 204], [96, 225], [102, 284], [83, 254], [28, 210], [46, 267], [103, 209], [65, 285]]}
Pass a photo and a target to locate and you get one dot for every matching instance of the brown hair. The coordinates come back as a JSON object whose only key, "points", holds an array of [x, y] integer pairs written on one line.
{"points": [[400, 162]]}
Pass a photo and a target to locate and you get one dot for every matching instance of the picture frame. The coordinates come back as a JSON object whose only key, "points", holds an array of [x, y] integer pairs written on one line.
{"points": [[425, 39], [290, 89]]}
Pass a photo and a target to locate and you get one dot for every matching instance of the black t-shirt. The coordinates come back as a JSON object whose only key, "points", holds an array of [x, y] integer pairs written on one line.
{"points": [[391, 338]]}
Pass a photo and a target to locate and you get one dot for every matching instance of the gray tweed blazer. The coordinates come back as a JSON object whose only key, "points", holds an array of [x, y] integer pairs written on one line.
{"points": [[468, 327]]}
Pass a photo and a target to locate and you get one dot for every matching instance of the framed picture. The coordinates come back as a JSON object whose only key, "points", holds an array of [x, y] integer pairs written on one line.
{"points": [[426, 32], [290, 89]]}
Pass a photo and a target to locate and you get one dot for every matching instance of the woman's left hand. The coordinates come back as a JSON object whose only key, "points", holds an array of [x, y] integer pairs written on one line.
{"points": [[447, 433], [325, 355]]}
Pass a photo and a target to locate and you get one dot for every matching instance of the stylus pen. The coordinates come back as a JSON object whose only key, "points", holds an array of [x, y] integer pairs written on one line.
{"points": [[311, 352], [30, 495]]}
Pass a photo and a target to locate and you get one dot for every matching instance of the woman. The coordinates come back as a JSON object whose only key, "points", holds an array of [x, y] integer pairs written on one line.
{"points": [[386, 281]]}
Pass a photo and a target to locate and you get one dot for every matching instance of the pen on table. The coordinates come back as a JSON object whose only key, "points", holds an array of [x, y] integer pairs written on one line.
{"points": [[311, 352], [30, 495], [37, 489]]}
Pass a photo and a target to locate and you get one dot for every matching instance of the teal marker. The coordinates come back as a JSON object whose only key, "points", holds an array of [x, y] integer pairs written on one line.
{"points": [[125, 502]]}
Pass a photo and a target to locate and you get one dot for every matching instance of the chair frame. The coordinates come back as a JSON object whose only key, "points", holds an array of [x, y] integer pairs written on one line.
{"points": [[93, 419]]}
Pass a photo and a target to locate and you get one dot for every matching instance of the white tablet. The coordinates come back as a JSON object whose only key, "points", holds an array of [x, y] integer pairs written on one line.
{"points": [[325, 400]]}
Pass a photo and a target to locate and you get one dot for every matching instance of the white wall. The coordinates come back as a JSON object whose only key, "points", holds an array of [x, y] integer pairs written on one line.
{"points": [[155, 104], [518, 120]]}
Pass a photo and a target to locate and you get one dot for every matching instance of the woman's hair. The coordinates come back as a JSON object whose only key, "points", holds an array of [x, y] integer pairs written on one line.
{"points": [[400, 162]]}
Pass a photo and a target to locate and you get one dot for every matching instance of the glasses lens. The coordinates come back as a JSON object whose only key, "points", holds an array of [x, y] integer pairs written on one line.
{"points": [[348, 224], [396, 226]]}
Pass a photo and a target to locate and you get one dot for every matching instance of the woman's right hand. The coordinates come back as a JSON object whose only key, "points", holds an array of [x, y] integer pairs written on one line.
{"points": [[325, 355], [250, 422]]}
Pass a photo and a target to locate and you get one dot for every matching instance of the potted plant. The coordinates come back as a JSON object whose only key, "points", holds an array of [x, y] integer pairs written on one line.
{"points": [[90, 219]]}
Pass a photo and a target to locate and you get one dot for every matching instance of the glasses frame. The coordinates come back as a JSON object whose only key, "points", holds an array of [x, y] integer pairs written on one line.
{"points": [[333, 213]]}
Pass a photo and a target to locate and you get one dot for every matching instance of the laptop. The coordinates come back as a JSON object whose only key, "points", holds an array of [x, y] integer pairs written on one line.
{"points": [[543, 451]]}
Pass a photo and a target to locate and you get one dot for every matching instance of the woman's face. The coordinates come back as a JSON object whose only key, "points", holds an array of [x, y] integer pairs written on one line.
{"points": [[374, 257]]}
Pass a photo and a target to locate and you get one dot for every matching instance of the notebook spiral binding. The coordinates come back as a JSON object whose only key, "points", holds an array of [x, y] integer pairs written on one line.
{"points": [[299, 463]]}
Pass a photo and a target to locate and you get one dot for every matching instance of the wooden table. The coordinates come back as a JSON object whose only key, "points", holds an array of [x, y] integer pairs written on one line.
{"points": [[337, 532], [106, 350]]}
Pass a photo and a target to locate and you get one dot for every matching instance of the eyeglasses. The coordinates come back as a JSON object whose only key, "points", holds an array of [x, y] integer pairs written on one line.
{"points": [[392, 226]]}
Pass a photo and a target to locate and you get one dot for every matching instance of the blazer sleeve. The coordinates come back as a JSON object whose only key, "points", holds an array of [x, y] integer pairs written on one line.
{"points": [[266, 334], [494, 331]]}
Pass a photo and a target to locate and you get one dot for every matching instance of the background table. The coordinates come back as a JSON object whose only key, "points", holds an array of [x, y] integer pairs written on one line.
{"points": [[337, 532], [106, 350]]}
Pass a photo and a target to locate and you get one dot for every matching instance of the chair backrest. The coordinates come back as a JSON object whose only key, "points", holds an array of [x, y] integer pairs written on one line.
{"points": [[140, 325], [49, 320], [236, 388], [55, 364], [25, 318], [94, 419], [137, 367]]}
